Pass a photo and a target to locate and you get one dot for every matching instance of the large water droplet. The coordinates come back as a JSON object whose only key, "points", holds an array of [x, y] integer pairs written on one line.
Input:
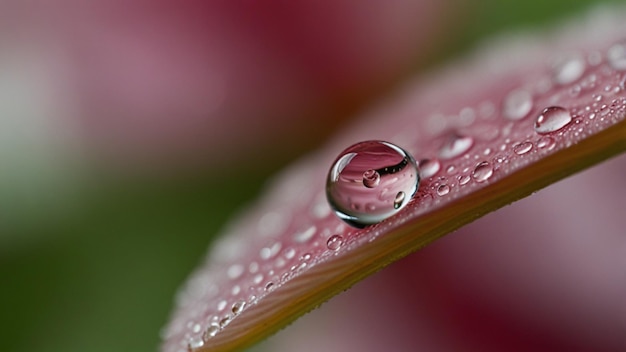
{"points": [[569, 70], [552, 119], [455, 146], [517, 104], [617, 56], [361, 205], [429, 167], [546, 142], [482, 172], [334, 242]]}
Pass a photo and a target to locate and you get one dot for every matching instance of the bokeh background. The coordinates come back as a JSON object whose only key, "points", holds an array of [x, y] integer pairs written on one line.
{"points": [[130, 132]]}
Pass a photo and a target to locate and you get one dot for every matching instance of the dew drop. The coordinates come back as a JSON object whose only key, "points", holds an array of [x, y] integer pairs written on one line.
{"points": [[546, 142], [211, 331], [568, 70], [482, 172], [290, 253], [269, 286], [225, 320], [552, 119], [353, 180], [221, 305], [334, 242], [270, 251], [617, 56], [517, 104], [238, 307], [522, 148], [371, 178], [397, 202], [235, 271], [429, 167], [455, 146], [464, 179], [195, 342], [442, 190]]}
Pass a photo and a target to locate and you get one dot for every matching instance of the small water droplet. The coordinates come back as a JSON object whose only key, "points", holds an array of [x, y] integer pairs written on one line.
{"points": [[269, 286], [334, 242], [290, 253], [238, 306], [221, 305], [235, 271], [371, 178], [522, 148], [253, 267], [195, 342], [442, 190], [270, 251], [517, 104], [482, 172], [356, 202], [397, 202], [257, 278], [305, 235], [569, 70], [225, 320], [211, 331], [546, 142], [552, 119], [306, 256], [235, 290], [617, 56], [463, 179], [455, 146], [429, 167]]}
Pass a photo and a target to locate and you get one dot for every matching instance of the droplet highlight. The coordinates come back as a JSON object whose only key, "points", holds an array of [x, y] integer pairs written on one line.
{"points": [[552, 119], [365, 182], [371, 178]]}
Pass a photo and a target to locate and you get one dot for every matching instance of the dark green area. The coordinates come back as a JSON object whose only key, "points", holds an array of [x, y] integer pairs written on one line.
{"points": [[103, 278]]}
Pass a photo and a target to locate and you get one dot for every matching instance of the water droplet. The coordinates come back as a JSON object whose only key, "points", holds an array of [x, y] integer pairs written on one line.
{"points": [[225, 320], [195, 342], [211, 331], [429, 167], [442, 190], [305, 235], [290, 253], [397, 202], [269, 286], [552, 119], [482, 172], [522, 148], [235, 271], [517, 104], [546, 142], [334, 242], [464, 179], [306, 256], [360, 205], [257, 278], [371, 178], [270, 251], [617, 56], [238, 306], [221, 305], [455, 146], [569, 70]]}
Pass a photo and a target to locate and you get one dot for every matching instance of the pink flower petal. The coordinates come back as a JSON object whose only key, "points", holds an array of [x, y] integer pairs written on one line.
{"points": [[273, 263]]}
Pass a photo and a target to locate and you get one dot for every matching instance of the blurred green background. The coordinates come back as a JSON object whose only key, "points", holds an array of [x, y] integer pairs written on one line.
{"points": [[92, 264]]}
